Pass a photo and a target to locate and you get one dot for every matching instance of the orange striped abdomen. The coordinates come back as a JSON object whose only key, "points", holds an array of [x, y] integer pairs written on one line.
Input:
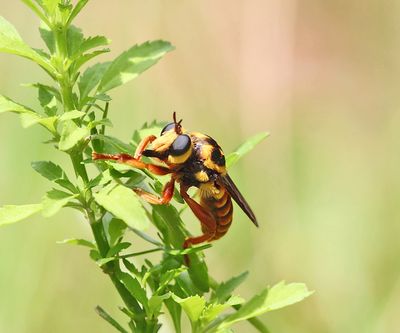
{"points": [[221, 208]]}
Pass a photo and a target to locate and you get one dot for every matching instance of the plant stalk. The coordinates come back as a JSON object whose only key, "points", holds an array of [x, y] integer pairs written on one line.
{"points": [[64, 80]]}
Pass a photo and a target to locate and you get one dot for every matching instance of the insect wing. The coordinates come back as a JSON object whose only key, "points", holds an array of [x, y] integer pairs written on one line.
{"points": [[228, 183]]}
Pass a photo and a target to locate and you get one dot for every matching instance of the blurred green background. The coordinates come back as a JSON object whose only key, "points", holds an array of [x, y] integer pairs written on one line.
{"points": [[321, 76]]}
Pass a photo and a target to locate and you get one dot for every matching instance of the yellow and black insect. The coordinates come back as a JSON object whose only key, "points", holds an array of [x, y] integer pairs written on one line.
{"points": [[192, 159]]}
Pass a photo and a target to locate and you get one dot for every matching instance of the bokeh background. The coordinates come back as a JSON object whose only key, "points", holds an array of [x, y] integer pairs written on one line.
{"points": [[322, 77]]}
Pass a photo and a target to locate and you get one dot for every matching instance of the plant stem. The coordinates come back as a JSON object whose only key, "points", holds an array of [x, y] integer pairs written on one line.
{"points": [[66, 93], [64, 80], [141, 253]]}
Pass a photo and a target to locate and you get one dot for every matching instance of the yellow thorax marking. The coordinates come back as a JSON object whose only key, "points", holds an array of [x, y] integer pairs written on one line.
{"points": [[205, 154]]}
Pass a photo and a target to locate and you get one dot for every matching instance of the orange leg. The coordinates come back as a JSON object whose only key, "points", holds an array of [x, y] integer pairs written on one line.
{"points": [[166, 197], [135, 160], [206, 219], [143, 144], [132, 161]]}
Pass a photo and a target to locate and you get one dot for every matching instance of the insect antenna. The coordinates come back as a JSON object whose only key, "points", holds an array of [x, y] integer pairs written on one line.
{"points": [[178, 126]]}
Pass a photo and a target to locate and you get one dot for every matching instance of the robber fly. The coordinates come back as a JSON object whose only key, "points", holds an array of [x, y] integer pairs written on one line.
{"points": [[192, 159]]}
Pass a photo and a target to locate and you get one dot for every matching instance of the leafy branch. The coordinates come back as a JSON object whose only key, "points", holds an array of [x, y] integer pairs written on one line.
{"points": [[74, 109]]}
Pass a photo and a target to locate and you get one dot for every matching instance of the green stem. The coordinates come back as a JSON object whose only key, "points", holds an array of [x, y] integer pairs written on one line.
{"points": [[111, 268], [64, 80], [97, 227], [105, 114], [67, 95], [141, 253]]}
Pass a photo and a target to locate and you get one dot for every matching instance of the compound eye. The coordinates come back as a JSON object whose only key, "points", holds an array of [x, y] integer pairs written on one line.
{"points": [[167, 128], [181, 145]]}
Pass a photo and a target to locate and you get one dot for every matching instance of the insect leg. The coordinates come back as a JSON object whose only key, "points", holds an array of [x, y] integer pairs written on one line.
{"points": [[167, 193], [143, 144], [132, 161], [206, 219]]}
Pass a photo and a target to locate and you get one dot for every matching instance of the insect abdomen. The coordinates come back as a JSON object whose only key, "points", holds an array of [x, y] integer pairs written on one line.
{"points": [[220, 206]]}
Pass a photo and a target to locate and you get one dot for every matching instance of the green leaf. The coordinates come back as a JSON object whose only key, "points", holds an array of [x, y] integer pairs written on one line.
{"points": [[175, 311], [114, 143], [83, 59], [103, 97], [45, 96], [274, 298], [76, 241], [50, 89], [131, 267], [48, 100], [132, 62], [198, 272], [50, 5], [64, 182], [11, 214], [193, 306], [118, 248], [116, 230], [93, 42], [101, 179], [103, 122], [74, 114], [102, 261], [29, 119], [225, 289], [124, 204], [27, 115], [8, 105], [169, 223], [48, 37], [95, 255], [134, 288], [48, 170], [54, 201], [74, 40], [155, 303], [245, 148], [11, 42], [71, 135], [110, 320], [212, 311], [168, 276]]}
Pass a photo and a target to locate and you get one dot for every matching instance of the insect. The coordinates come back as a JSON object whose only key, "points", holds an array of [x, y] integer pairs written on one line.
{"points": [[192, 159]]}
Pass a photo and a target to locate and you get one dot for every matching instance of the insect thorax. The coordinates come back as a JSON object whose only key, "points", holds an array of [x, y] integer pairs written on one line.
{"points": [[205, 164]]}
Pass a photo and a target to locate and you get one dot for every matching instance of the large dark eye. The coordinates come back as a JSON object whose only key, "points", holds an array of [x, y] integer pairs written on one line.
{"points": [[180, 145], [167, 128]]}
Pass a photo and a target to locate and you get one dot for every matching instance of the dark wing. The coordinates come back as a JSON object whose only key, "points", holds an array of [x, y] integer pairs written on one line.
{"points": [[228, 183]]}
